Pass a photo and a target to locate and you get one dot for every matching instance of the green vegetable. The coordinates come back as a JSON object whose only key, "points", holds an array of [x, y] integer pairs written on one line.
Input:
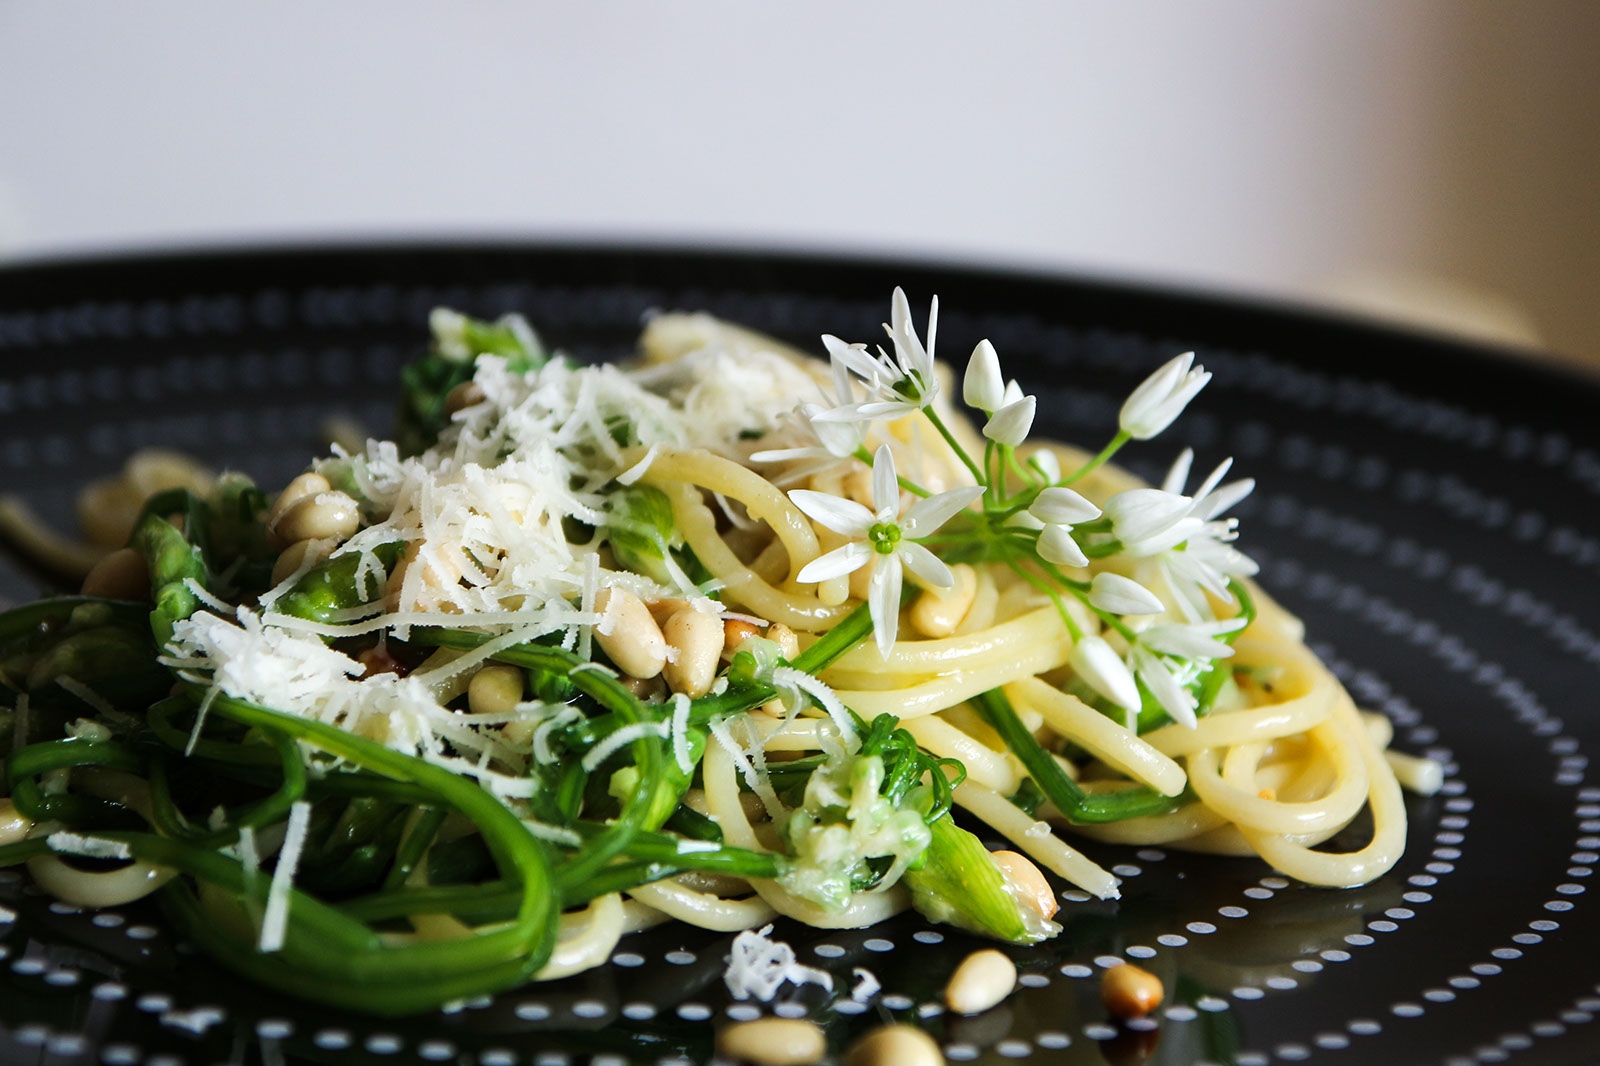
{"points": [[961, 885]]}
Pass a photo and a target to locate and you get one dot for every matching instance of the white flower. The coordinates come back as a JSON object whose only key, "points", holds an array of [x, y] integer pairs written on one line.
{"points": [[1207, 558], [1011, 423], [1116, 594], [1062, 506], [884, 538], [1161, 397], [983, 387], [1046, 463], [1191, 640], [902, 385], [835, 440], [1057, 546], [1098, 664], [1150, 521], [1169, 683]]}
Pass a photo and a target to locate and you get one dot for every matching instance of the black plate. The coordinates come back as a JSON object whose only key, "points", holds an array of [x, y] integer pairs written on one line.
{"points": [[1427, 507]]}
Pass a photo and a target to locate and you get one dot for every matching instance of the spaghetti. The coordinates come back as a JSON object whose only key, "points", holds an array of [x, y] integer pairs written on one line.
{"points": [[588, 648]]}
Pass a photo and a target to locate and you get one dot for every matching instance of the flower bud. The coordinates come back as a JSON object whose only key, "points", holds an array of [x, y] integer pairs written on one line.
{"points": [[983, 387], [1011, 423]]}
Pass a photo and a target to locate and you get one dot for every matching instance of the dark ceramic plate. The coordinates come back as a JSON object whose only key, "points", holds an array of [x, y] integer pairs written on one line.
{"points": [[1428, 508]]}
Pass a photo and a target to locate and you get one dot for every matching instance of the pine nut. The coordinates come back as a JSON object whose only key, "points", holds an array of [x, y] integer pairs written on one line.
{"points": [[645, 689], [120, 575], [495, 689], [467, 394], [296, 555], [983, 979], [14, 825], [1130, 992], [438, 572], [773, 1042], [697, 637], [628, 634], [788, 643], [1026, 876], [735, 631], [894, 1045], [937, 612], [297, 490], [321, 517], [665, 608]]}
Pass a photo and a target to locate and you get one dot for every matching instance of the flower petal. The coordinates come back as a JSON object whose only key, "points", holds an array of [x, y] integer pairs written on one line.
{"points": [[883, 602], [1224, 499], [1010, 424], [845, 517], [885, 486], [1178, 472], [926, 565], [983, 385], [925, 516], [1094, 661], [846, 559], [1121, 595], [1062, 507], [1057, 546], [1175, 699], [1047, 464]]}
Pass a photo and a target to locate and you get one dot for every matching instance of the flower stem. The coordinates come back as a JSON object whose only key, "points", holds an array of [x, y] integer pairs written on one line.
{"points": [[1107, 452], [949, 438]]}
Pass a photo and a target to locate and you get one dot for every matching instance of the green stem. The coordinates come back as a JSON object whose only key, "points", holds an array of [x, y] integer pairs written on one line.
{"points": [[949, 438], [1106, 453]]}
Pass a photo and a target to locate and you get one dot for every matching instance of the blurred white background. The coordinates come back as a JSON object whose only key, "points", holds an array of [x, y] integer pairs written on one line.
{"points": [[1432, 157]]}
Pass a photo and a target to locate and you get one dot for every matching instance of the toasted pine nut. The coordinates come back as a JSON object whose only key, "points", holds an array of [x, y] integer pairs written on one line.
{"points": [[894, 1045], [645, 688], [735, 631], [665, 608], [1130, 992], [788, 643], [773, 1042], [467, 394], [697, 637], [438, 572], [495, 689], [14, 825], [121, 575], [983, 979], [321, 517], [1026, 876], [297, 490], [628, 634], [296, 555], [937, 612]]}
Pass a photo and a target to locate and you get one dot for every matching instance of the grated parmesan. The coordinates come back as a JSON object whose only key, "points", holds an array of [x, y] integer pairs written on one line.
{"points": [[276, 918], [759, 966]]}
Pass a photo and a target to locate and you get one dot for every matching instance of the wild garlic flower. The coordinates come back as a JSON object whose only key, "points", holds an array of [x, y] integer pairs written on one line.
{"points": [[1161, 397], [1120, 595], [983, 387], [1011, 423], [834, 440], [884, 538], [1099, 666], [1169, 682], [1207, 558], [1168, 659], [1191, 640], [898, 386], [1062, 506], [1151, 521]]}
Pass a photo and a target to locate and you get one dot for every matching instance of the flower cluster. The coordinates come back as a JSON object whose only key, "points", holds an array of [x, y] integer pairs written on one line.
{"points": [[1151, 564]]}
